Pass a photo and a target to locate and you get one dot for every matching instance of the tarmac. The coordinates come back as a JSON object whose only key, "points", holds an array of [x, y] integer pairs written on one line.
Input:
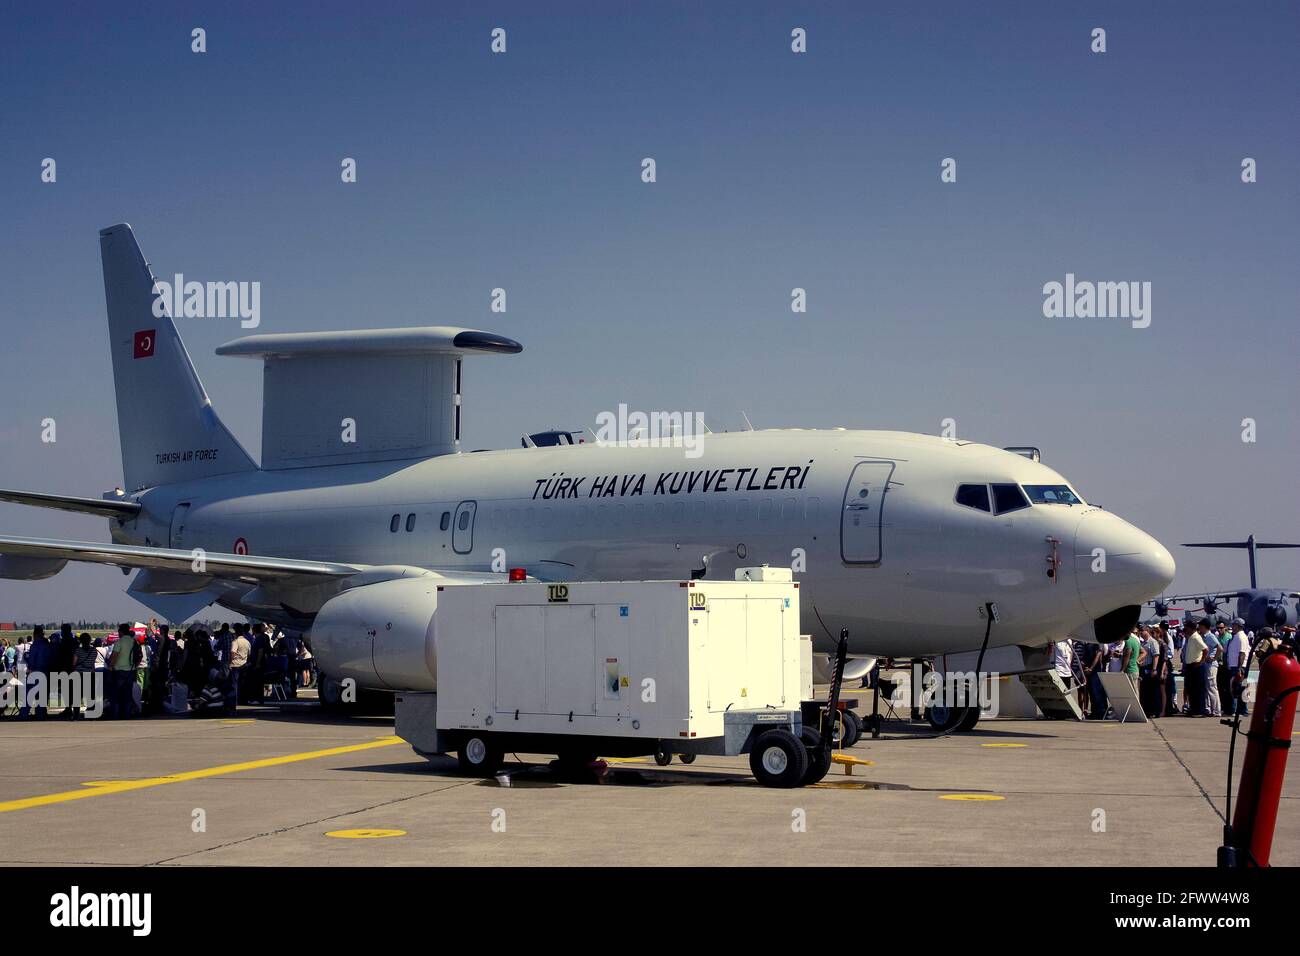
{"points": [[287, 786]]}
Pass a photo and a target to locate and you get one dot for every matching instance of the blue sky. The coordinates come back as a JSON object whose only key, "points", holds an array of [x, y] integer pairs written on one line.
{"points": [[775, 170]]}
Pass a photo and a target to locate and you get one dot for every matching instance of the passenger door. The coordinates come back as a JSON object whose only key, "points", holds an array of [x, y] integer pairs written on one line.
{"points": [[862, 518]]}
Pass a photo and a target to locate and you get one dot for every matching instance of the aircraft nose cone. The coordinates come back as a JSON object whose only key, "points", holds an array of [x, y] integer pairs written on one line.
{"points": [[1117, 565]]}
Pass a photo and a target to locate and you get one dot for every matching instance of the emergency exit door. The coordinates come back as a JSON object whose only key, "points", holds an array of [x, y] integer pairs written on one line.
{"points": [[862, 520], [176, 536]]}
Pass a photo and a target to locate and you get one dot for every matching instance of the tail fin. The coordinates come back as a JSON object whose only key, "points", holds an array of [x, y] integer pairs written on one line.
{"points": [[168, 428], [1251, 546]]}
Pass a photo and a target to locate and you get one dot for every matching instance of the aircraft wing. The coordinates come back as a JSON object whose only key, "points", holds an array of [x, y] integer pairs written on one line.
{"points": [[249, 568]]}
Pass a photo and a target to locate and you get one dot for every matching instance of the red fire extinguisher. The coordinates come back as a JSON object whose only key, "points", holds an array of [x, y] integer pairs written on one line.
{"points": [[1250, 838]]}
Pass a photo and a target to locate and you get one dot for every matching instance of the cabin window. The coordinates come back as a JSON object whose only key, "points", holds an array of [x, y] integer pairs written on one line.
{"points": [[445, 523], [410, 522], [463, 523], [393, 524], [973, 496], [1008, 498]]}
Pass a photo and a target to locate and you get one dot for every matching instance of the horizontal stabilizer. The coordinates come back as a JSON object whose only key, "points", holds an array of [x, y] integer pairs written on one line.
{"points": [[15, 568], [1238, 544], [254, 569], [104, 507]]}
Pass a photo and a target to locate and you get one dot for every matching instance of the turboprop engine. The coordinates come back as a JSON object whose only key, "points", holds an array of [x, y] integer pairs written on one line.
{"points": [[381, 635]]}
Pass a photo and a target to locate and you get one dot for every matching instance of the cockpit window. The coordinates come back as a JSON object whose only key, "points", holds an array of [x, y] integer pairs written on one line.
{"points": [[1052, 495], [973, 496], [1008, 498]]}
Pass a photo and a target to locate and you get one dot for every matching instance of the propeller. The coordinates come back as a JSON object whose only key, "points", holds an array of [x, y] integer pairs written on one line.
{"points": [[1163, 607]]}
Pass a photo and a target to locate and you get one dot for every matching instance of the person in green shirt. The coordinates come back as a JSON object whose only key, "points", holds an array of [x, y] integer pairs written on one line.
{"points": [[1132, 650]]}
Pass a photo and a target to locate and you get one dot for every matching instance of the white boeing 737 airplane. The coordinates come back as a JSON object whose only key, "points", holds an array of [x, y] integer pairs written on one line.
{"points": [[901, 538]]}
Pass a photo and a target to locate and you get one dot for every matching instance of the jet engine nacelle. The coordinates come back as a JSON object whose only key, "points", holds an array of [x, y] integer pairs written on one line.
{"points": [[380, 635], [855, 668]]}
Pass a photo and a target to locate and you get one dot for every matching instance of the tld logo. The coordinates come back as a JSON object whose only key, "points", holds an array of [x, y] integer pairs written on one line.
{"points": [[557, 593]]}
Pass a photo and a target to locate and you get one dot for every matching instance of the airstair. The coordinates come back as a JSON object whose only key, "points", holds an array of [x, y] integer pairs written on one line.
{"points": [[1053, 697]]}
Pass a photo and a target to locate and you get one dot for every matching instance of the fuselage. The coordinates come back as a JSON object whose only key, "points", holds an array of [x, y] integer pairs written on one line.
{"points": [[870, 521]]}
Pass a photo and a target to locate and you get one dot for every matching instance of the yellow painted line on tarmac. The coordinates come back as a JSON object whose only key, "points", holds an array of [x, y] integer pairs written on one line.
{"points": [[1004, 745], [971, 796], [840, 785], [625, 759], [237, 720], [368, 834], [101, 788]]}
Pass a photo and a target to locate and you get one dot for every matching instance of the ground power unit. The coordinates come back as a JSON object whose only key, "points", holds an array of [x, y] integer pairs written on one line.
{"points": [[615, 669]]}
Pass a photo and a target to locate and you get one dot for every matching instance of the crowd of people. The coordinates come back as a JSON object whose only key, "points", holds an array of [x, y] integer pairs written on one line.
{"points": [[157, 669], [1211, 656]]}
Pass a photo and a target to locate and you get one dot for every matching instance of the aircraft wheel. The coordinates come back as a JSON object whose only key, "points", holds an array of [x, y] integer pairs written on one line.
{"points": [[330, 693], [479, 755], [778, 759], [686, 758], [943, 718], [819, 759]]}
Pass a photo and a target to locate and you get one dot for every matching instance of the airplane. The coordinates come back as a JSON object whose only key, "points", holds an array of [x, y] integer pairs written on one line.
{"points": [[901, 538], [1258, 607]]}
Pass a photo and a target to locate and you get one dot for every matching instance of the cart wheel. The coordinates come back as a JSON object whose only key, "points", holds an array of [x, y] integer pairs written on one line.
{"points": [[663, 758], [837, 729], [778, 759], [852, 729], [819, 759], [686, 758], [479, 755]]}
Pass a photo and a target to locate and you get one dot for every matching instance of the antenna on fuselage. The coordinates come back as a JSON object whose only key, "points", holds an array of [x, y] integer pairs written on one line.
{"points": [[746, 418]]}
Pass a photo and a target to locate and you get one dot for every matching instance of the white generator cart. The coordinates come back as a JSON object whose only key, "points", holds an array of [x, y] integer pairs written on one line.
{"points": [[617, 669]]}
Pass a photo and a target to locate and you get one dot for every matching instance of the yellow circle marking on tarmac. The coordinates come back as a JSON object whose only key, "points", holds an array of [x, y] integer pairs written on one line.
{"points": [[1004, 745], [971, 796], [365, 834]]}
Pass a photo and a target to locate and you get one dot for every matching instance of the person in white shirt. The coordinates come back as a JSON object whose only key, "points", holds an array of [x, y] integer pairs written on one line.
{"points": [[1115, 656], [1232, 670], [1062, 654]]}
